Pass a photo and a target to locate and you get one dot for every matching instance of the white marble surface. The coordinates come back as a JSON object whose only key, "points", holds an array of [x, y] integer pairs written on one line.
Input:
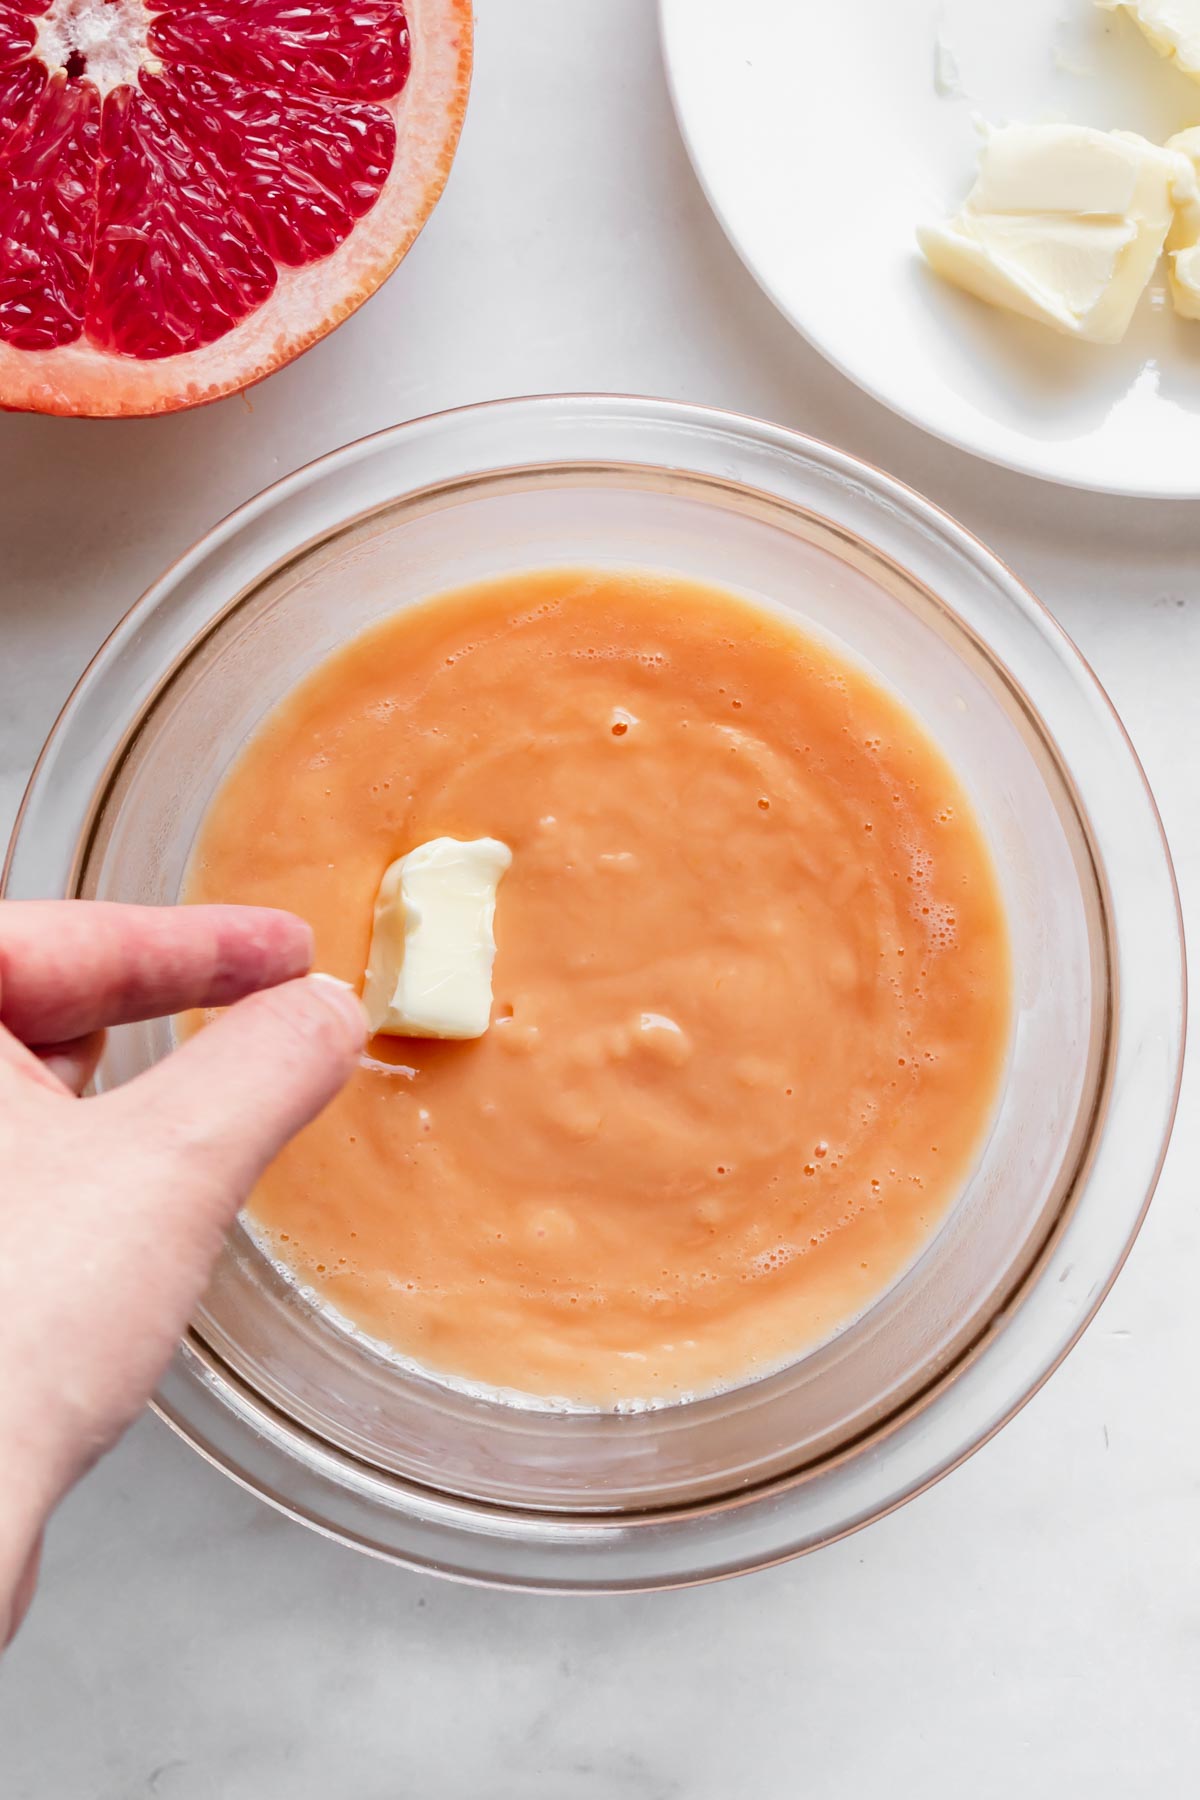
{"points": [[1033, 1624]]}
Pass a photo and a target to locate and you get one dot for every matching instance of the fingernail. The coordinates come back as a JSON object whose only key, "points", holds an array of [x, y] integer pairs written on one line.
{"points": [[342, 996], [333, 980]]}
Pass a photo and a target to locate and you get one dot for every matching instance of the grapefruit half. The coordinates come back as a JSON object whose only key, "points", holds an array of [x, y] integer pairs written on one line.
{"points": [[194, 191]]}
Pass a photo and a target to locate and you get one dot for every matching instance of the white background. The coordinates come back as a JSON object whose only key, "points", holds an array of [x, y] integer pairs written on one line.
{"points": [[1030, 1627]]}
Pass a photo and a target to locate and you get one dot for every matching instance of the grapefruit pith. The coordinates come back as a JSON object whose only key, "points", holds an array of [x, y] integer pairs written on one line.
{"points": [[194, 191]]}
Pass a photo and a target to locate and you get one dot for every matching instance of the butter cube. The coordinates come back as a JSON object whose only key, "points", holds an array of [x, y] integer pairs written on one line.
{"points": [[1064, 225], [429, 973]]}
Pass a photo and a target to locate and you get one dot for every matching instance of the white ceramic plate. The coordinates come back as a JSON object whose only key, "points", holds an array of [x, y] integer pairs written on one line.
{"points": [[825, 130]]}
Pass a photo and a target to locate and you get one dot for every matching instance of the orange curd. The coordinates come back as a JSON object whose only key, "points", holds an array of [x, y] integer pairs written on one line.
{"points": [[751, 991]]}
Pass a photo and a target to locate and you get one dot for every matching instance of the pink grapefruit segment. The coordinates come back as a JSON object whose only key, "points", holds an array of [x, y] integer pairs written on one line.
{"points": [[359, 49], [20, 84], [48, 216], [301, 168], [191, 194]]}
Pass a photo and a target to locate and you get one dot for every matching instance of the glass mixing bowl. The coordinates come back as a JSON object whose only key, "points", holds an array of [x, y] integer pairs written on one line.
{"points": [[410, 1468]]}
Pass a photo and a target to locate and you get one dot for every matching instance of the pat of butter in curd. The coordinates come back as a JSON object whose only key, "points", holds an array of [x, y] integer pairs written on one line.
{"points": [[1172, 26], [1064, 225], [429, 973]]}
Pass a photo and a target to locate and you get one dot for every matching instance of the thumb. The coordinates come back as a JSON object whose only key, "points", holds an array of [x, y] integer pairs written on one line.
{"points": [[231, 1096]]}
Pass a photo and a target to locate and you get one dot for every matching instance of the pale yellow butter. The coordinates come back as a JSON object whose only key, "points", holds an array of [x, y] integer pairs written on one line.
{"points": [[1064, 225], [1172, 26], [1183, 239], [429, 973]]}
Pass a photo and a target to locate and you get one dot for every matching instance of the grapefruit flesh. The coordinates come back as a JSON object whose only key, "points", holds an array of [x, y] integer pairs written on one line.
{"points": [[191, 193]]}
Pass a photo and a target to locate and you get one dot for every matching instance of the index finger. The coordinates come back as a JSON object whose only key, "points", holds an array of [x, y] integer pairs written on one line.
{"points": [[70, 967]]}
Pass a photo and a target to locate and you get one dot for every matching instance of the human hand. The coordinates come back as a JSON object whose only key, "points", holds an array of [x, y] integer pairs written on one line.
{"points": [[113, 1208]]}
